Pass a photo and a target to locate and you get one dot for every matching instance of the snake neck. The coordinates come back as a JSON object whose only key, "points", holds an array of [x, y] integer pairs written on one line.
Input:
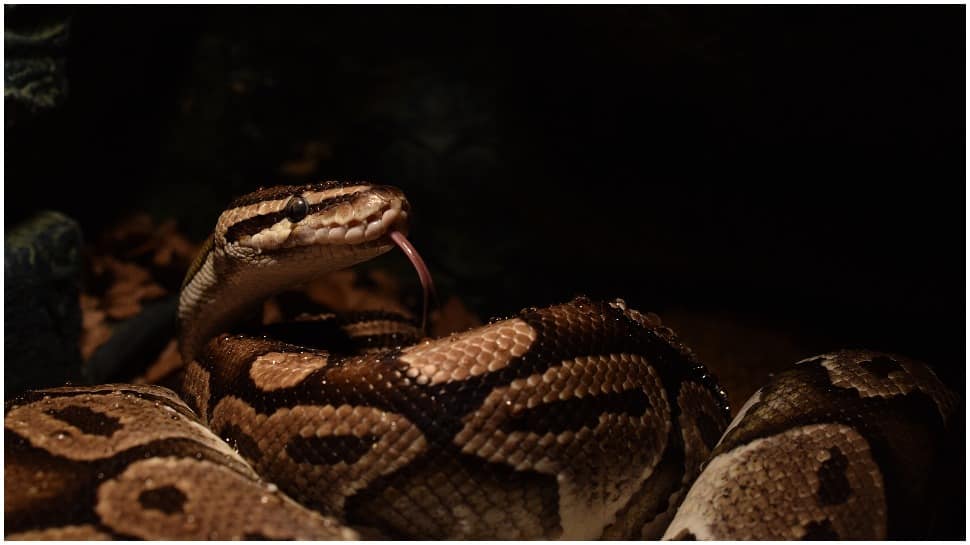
{"points": [[222, 291]]}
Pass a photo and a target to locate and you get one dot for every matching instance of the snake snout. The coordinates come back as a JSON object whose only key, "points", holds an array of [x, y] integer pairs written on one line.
{"points": [[387, 211]]}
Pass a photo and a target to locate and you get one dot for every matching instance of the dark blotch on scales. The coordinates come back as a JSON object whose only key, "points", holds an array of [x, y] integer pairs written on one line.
{"points": [[820, 531], [329, 449], [881, 366], [833, 487], [578, 412], [709, 429], [167, 499], [88, 421], [242, 442]]}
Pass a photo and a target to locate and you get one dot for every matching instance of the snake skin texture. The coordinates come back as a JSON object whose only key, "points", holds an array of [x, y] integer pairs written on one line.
{"points": [[552, 424], [839, 447], [133, 462], [582, 420]]}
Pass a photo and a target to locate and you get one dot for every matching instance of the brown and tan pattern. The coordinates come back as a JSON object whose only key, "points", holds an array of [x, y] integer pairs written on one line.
{"points": [[581, 420], [84, 426], [836, 448], [548, 432], [811, 482], [652, 506], [195, 389], [277, 370], [445, 494], [86, 532], [886, 376], [172, 498], [575, 421], [320, 454], [487, 350], [127, 461], [374, 328]]}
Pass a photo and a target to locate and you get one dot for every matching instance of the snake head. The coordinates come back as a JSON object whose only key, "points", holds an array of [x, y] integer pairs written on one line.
{"points": [[279, 237], [336, 220]]}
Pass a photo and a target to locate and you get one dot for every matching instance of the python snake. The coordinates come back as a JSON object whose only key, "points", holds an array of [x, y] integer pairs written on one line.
{"points": [[581, 420]]}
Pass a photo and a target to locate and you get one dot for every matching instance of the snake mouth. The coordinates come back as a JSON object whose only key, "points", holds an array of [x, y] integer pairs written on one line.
{"points": [[367, 224], [376, 225]]}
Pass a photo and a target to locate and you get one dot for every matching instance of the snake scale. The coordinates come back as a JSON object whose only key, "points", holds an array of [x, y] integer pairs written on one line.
{"points": [[581, 420]]}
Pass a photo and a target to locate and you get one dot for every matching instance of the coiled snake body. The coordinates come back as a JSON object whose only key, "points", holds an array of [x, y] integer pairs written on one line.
{"points": [[581, 420]]}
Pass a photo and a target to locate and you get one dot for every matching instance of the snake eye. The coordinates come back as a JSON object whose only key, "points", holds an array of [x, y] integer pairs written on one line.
{"points": [[296, 209]]}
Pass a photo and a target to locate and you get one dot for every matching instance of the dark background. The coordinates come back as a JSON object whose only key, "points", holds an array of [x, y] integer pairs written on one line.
{"points": [[754, 173], [801, 166]]}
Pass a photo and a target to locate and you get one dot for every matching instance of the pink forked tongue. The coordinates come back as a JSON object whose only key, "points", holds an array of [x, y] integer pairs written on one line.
{"points": [[423, 273]]}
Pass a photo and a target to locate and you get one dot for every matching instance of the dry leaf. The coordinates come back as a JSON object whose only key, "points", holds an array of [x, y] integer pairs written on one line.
{"points": [[132, 285], [339, 291], [94, 331]]}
